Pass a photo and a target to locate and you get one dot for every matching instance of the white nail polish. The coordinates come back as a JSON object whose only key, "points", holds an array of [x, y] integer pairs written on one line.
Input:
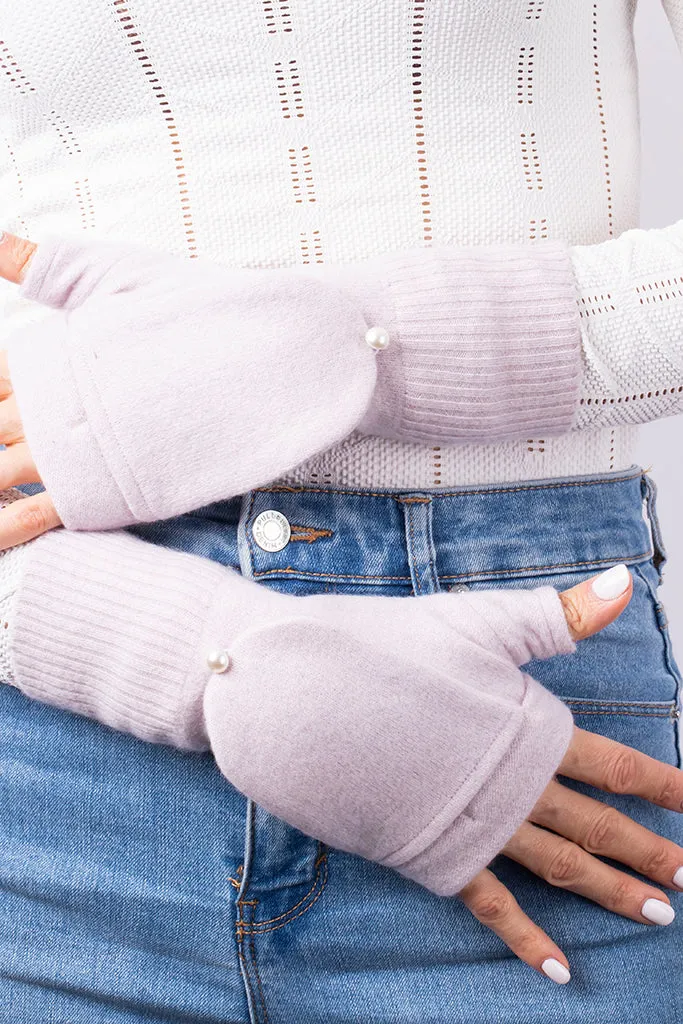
{"points": [[555, 970], [611, 583], [657, 911], [678, 878]]}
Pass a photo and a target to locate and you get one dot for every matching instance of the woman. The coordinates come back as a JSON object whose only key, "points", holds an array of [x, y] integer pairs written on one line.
{"points": [[126, 854]]}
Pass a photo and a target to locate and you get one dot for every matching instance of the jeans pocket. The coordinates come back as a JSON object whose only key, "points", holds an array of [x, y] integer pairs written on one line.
{"points": [[629, 661], [651, 576]]}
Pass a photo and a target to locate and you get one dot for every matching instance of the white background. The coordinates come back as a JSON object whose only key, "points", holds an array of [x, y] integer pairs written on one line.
{"points": [[661, 446]]}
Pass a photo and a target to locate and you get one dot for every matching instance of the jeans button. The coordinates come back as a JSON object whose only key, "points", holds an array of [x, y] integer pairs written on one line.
{"points": [[456, 588], [271, 530]]}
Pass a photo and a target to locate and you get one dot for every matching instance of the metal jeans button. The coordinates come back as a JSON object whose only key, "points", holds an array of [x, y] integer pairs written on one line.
{"points": [[271, 530]]}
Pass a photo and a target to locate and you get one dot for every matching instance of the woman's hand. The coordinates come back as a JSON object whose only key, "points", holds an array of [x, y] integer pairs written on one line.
{"points": [[580, 826], [35, 514], [581, 829], [22, 520]]}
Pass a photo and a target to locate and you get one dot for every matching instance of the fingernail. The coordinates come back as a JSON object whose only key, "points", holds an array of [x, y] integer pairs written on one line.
{"points": [[658, 912], [611, 583], [678, 878], [555, 970]]}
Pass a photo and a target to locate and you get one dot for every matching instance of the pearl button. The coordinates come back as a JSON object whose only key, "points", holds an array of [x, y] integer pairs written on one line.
{"points": [[377, 338], [271, 530], [218, 661]]}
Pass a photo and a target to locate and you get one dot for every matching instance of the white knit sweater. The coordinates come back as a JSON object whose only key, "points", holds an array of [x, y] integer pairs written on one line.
{"points": [[283, 132]]}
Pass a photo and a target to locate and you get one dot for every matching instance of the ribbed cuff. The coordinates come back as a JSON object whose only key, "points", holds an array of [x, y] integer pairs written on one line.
{"points": [[481, 831], [114, 628], [485, 342]]}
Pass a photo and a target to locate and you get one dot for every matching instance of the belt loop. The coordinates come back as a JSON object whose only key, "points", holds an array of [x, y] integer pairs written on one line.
{"points": [[649, 492], [417, 513]]}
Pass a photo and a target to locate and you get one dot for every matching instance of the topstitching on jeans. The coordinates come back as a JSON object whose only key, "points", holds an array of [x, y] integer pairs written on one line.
{"points": [[646, 555], [433, 493]]}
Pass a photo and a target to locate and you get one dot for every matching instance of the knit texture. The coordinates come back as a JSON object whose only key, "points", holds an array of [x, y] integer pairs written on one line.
{"points": [[631, 303], [354, 143], [486, 342], [161, 385], [340, 136], [121, 630]]}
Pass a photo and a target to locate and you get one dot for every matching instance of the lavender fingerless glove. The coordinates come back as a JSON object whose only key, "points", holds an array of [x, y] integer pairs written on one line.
{"points": [[401, 730], [159, 384]]}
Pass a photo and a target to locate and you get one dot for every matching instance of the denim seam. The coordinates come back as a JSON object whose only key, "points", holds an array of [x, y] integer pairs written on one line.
{"points": [[321, 880], [621, 703], [253, 928], [247, 978], [554, 565], [241, 933], [299, 489], [432, 550], [662, 626], [252, 948], [411, 549], [252, 499], [649, 494], [305, 573], [338, 575], [621, 711], [249, 845], [322, 854]]}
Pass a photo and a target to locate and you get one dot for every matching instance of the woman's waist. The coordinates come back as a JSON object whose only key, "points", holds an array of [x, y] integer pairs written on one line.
{"points": [[365, 461], [437, 537]]}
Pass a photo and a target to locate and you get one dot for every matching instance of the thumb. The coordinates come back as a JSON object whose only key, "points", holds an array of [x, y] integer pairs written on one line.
{"points": [[541, 622], [64, 271], [596, 602], [15, 255]]}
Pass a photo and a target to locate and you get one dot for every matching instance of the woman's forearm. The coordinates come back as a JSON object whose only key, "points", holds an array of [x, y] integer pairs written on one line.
{"points": [[630, 292], [160, 384], [386, 728]]}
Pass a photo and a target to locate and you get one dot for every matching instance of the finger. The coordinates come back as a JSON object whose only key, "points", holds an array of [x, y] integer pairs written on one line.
{"points": [[65, 271], [11, 427], [494, 905], [605, 832], [17, 466], [593, 604], [565, 865], [26, 519], [15, 256], [616, 768], [5, 381], [542, 622]]}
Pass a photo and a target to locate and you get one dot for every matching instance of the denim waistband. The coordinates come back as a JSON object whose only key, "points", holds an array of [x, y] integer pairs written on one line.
{"points": [[444, 535]]}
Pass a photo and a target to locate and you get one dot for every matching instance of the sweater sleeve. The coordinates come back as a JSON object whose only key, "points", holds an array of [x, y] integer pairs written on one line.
{"points": [[158, 384], [630, 294], [631, 305], [400, 730]]}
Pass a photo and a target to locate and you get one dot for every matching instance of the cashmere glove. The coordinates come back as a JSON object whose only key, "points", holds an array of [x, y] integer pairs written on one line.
{"points": [[401, 730], [159, 384]]}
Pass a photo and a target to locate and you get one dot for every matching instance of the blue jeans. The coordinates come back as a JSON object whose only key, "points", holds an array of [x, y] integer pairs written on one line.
{"points": [[136, 884]]}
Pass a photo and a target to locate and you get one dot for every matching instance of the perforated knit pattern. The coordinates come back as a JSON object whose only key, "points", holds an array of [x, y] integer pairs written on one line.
{"points": [[311, 133], [631, 303]]}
